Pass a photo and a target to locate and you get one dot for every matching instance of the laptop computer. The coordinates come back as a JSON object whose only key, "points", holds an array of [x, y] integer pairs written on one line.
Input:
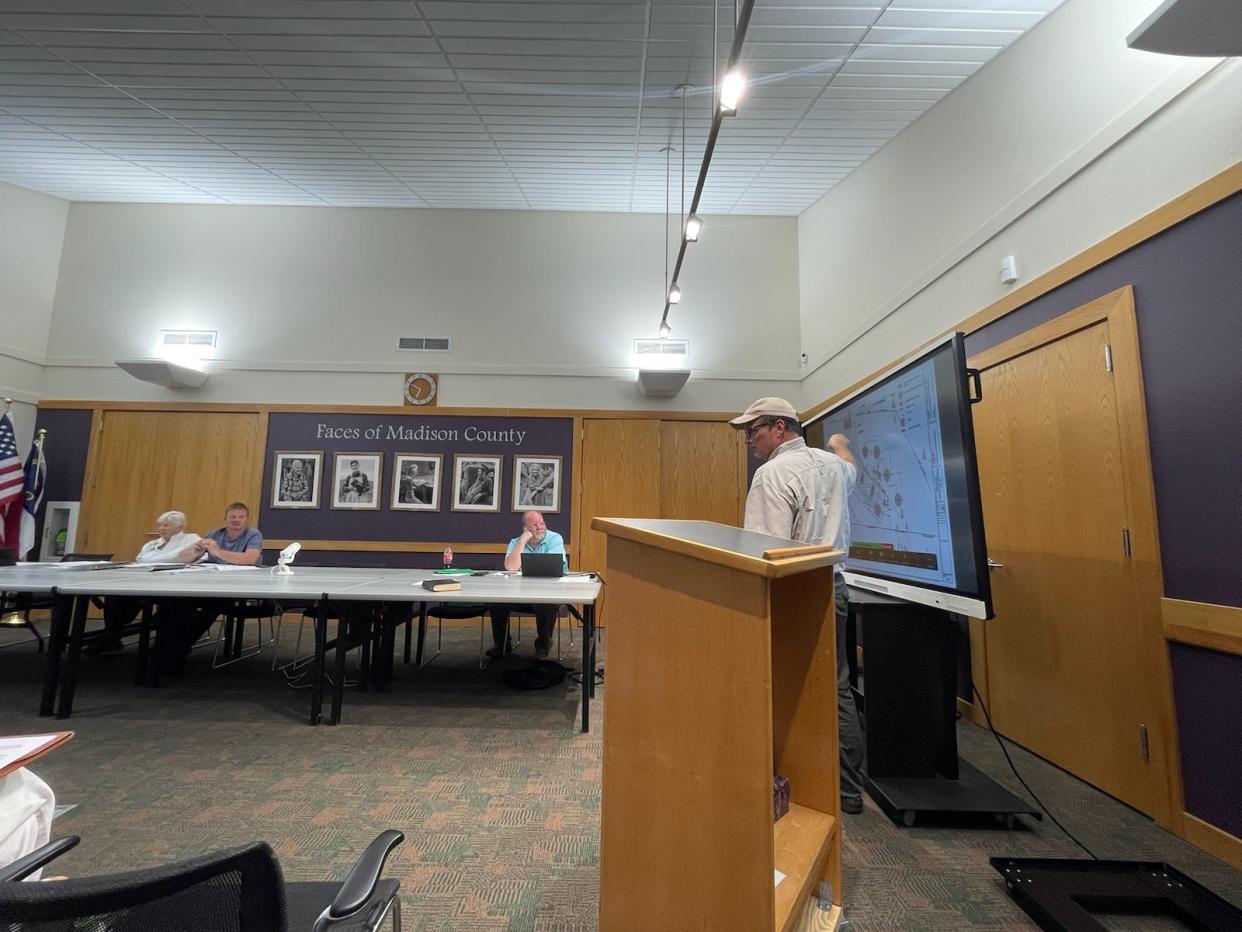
{"points": [[543, 564]]}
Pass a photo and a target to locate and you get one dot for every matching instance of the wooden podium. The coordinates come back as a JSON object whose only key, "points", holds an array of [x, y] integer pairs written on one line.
{"points": [[721, 673]]}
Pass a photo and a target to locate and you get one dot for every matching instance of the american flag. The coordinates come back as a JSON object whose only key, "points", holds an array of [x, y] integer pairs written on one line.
{"points": [[12, 476]]}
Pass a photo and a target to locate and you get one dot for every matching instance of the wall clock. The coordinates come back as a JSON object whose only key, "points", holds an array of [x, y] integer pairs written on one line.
{"points": [[420, 388]]}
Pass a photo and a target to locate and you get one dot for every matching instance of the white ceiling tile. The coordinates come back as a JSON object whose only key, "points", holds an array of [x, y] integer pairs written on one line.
{"points": [[467, 103]]}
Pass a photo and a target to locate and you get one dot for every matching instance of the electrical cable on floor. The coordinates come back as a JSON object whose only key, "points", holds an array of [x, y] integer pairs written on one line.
{"points": [[1039, 802]]}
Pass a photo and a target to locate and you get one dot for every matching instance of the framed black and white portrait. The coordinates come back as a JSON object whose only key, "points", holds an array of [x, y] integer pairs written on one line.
{"points": [[356, 481], [476, 482], [416, 481], [537, 483], [295, 479]]}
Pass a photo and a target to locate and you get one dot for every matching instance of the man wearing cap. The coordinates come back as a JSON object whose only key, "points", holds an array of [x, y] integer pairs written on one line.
{"points": [[799, 493]]}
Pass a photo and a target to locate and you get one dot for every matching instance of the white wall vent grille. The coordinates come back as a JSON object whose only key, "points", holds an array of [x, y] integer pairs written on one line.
{"points": [[424, 344], [661, 347], [200, 338]]}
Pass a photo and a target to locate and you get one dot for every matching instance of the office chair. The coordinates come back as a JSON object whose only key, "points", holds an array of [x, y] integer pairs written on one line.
{"points": [[229, 644], [234, 890]]}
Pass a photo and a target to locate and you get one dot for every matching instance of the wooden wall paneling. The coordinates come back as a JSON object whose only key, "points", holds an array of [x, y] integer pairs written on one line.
{"points": [[1146, 574], [620, 478], [131, 482], [255, 495], [699, 472], [88, 497], [216, 457], [579, 526], [1062, 653]]}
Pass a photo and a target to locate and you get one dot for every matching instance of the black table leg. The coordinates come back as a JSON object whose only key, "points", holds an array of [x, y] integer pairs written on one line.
{"points": [[590, 612], [77, 629], [321, 640], [390, 617], [144, 645], [409, 631], [588, 663], [62, 607], [338, 680], [368, 646], [422, 635]]}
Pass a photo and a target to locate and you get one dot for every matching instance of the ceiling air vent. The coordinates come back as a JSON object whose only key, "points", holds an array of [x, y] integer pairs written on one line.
{"points": [[424, 344], [661, 347], [199, 338]]}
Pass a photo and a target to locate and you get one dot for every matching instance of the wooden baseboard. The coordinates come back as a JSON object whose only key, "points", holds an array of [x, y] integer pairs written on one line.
{"points": [[1215, 841], [969, 713]]}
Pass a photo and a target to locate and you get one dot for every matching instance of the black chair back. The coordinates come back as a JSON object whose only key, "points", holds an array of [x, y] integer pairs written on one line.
{"points": [[235, 890]]}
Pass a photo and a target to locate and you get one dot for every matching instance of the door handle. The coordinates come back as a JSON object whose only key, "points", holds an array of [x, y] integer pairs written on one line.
{"points": [[993, 565]]}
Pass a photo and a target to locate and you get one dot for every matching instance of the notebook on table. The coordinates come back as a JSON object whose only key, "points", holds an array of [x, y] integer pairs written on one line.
{"points": [[547, 565]]}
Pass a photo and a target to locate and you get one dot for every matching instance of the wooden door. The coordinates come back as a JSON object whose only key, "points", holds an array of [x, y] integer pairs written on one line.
{"points": [[149, 462], [1064, 659], [702, 472], [620, 478]]}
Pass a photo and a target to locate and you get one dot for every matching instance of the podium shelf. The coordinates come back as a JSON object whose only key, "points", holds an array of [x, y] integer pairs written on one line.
{"points": [[801, 844]]}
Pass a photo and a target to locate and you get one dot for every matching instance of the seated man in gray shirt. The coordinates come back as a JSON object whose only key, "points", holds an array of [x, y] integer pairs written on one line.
{"points": [[236, 543]]}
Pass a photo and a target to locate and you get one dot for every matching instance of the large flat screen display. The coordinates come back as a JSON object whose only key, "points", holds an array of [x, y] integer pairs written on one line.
{"points": [[916, 521]]}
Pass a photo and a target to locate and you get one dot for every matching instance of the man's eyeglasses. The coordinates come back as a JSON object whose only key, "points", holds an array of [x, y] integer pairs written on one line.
{"points": [[754, 428]]}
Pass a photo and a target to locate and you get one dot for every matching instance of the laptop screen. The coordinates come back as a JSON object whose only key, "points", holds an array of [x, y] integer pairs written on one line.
{"points": [[543, 564]]}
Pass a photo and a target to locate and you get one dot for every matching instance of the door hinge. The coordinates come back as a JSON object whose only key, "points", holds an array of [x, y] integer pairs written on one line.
{"points": [[1144, 743], [1125, 541], [1108, 357]]}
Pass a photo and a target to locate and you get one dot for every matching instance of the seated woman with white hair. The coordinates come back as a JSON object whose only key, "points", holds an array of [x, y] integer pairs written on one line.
{"points": [[172, 544]]}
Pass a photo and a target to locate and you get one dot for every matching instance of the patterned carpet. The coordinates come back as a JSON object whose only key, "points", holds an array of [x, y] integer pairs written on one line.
{"points": [[496, 789]]}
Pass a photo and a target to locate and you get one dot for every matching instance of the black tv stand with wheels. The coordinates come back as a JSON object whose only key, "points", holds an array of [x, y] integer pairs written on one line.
{"points": [[911, 714]]}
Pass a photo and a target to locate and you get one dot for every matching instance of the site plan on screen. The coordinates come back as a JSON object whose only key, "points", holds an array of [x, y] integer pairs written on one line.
{"points": [[899, 510]]}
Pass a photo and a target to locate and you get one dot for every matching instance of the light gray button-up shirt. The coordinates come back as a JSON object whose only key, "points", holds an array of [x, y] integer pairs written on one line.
{"points": [[800, 493]]}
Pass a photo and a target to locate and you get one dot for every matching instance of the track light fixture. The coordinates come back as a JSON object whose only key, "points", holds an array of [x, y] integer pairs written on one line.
{"points": [[725, 97], [694, 226], [731, 90]]}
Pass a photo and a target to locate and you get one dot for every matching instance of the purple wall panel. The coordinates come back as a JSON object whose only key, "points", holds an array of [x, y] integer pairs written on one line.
{"points": [[68, 439], [1207, 685], [506, 436], [1188, 297]]}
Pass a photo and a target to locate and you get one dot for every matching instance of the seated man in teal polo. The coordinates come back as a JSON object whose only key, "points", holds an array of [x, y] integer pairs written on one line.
{"points": [[535, 538]]}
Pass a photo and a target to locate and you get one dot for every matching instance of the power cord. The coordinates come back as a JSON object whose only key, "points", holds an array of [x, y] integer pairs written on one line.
{"points": [[1039, 802]]}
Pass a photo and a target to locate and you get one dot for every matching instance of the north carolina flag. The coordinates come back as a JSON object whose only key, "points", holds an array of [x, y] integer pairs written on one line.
{"points": [[36, 478], [12, 483]]}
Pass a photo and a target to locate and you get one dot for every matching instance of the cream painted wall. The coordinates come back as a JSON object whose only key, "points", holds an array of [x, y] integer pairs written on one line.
{"points": [[542, 307], [32, 228], [1058, 143]]}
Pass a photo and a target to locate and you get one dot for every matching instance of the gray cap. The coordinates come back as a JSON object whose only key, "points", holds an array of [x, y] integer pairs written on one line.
{"points": [[766, 407]]}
